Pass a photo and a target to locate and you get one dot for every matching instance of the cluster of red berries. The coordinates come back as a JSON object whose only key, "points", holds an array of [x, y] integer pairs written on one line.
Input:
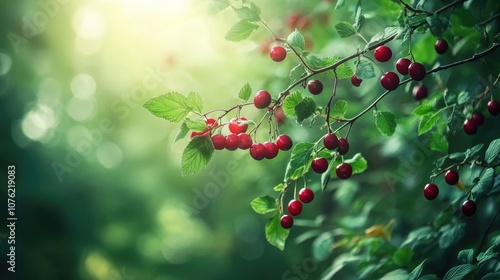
{"points": [[451, 177], [471, 125], [331, 142], [306, 195]]}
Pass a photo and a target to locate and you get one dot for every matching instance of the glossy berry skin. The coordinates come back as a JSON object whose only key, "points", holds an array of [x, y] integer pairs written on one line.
{"points": [[469, 208], [419, 92], [431, 191], [238, 125], [470, 126], [284, 142], [478, 118], [271, 150], [211, 124], [262, 99], [257, 151], [389, 81], [294, 207], [382, 54], [331, 142], [494, 107], [417, 71], [245, 141], [451, 177], [306, 195], [343, 147], [277, 53], [355, 81], [343, 171], [286, 221], [441, 46], [402, 65], [315, 87], [219, 141], [319, 165], [232, 142]]}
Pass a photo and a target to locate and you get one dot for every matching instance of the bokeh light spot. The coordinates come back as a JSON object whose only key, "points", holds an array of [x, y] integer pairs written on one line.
{"points": [[83, 86], [79, 109], [109, 155]]}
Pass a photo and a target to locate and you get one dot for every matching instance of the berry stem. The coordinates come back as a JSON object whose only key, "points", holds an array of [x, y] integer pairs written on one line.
{"points": [[417, 11], [492, 18], [485, 235], [329, 105]]}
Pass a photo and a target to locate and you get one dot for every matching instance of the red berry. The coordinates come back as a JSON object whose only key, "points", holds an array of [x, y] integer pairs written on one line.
{"points": [[417, 71], [271, 150], [294, 207], [232, 142], [478, 118], [469, 208], [306, 195], [389, 81], [343, 171], [382, 53], [343, 147], [245, 141], [219, 141], [284, 142], [319, 165], [315, 87], [451, 177], [331, 142], [277, 53], [238, 125], [258, 151], [356, 81], [262, 99], [431, 191], [211, 123], [402, 65], [494, 107], [280, 115], [286, 221], [199, 134], [420, 92], [441, 46], [470, 126]]}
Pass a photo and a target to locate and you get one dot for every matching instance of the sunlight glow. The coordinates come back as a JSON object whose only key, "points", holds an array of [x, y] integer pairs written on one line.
{"points": [[163, 7]]}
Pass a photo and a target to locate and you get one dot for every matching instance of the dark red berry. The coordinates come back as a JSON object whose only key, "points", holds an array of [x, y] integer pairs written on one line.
{"points": [[319, 165], [451, 177], [343, 171], [356, 81], [343, 147], [271, 150], [470, 126], [478, 118], [315, 87], [431, 191], [331, 142], [417, 71], [286, 221], [389, 81], [258, 151], [419, 92], [232, 142], [294, 207], [262, 99], [277, 53], [306, 195], [441, 46], [245, 141], [402, 65], [469, 208], [284, 142], [382, 53], [494, 107], [219, 141], [238, 125]]}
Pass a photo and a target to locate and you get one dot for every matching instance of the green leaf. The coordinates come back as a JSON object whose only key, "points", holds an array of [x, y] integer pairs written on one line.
{"points": [[466, 256], [218, 5], [439, 142], [183, 130], [485, 183], [428, 122], [443, 218], [315, 61], [423, 109], [196, 155], [344, 29], [276, 235], [172, 106], [398, 274], [429, 277], [301, 153], [463, 97], [451, 235], [195, 102], [279, 187], [339, 109], [491, 276], [296, 41], [417, 271], [358, 163], [305, 109], [402, 256], [264, 205], [343, 72], [488, 255], [322, 246], [421, 234], [325, 177], [364, 68], [197, 125], [245, 92], [437, 25], [460, 272], [291, 102], [473, 152], [382, 35], [240, 31], [359, 18], [492, 155], [245, 13], [340, 4], [385, 122]]}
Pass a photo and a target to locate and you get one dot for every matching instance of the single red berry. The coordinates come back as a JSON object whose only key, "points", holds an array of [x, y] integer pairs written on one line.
{"points": [[382, 53], [277, 53], [232, 141], [451, 177], [494, 107], [306, 195], [470, 126], [271, 150], [441, 46], [343, 171], [402, 65], [389, 81], [315, 86], [343, 147], [356, 81], [417, 71], [199, 134], [331, 142], [294, 207], [245, 141], [279, 115], [431, 191], [319, 164], [420, 92], [286, 221], [211, 123], [257, 151], [219, 141], [262, 99], [284, 142], [469, 208], [238, 125], [478, 118]]}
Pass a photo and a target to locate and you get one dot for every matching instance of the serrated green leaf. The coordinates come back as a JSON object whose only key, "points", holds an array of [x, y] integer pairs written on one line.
{"points": [[196, 125], [195, 102], [264, 205], [402, 256], [305, 109], [196, 155], [455, 121], [291, 102], [463, 97], [296, 41], [172, 106], [344, 29], [358, 163], [488, 255], [466, 256], [423, 109], [297, 72], [492, 155], [183, 130], [417, 271], [246, 13], [343, 72], [437, 25], [428, 122], [440, 161], [276, 235], [315, 61], [398, 274], [485, 183], [382, 35], [460, 272], [451, 235], [245, 92], [385, 122], [279, 187], [364, 69], [240, 31], [322, 246], [301, 153], [339, 109], [439, 142], [359, 18]]}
